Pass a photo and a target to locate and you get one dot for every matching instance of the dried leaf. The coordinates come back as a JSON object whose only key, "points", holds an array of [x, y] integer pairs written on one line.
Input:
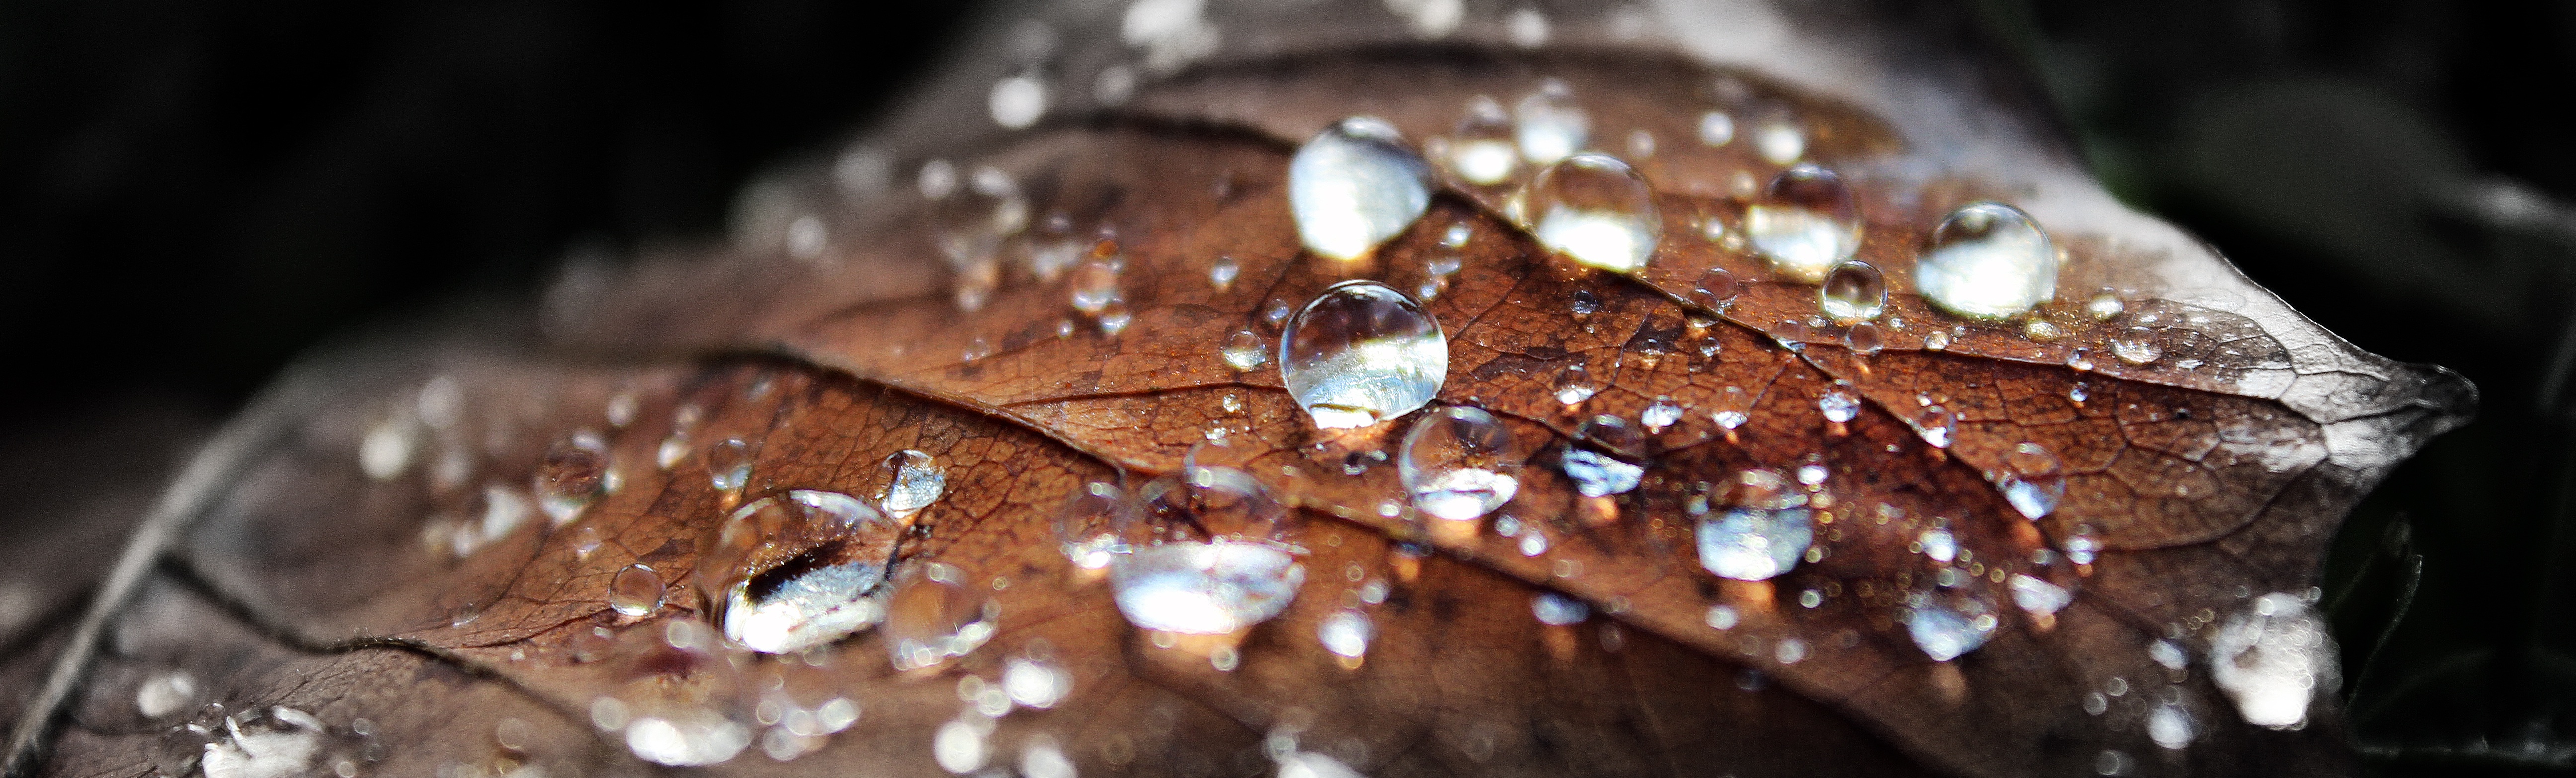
{"points": [[574, 518]]}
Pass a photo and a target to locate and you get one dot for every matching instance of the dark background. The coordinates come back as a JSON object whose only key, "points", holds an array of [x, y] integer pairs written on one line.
{"points": [[191, 193]]}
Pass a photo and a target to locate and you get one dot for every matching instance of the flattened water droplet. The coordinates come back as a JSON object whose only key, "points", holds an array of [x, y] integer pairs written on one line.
{"points": [[1354, 186], [1595, 210], [1607, 457], [1557, 610], [1805, 221], [1936, 340], [2137, 347], [1452, 462], [933, 616], [635, 591], [2034, 480], [1853, 291], [795, 571], [1210, 588], [571, 474], [1088, 525], [1481, 153], [1947, 626], [2273, 657], [1547, 123], [1362, 353], [1987, 260], [1346, 633], [728, 464], [2104, 307], [1573, 385], [910, 481]]}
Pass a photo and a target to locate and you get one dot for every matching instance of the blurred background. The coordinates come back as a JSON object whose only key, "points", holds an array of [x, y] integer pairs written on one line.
{"points": [[191, 193]]}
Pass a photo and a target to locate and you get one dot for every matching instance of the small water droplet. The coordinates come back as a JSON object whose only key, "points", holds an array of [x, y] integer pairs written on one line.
{"points": [[2273, 657], [1362, 353], [634, 591], [1717, 289], [166, 694], [1779, 140], [387, 449], [1838, 403], [1482, 152], [1987, 260], [1734, 408], [2137, 347], [2104, 307], [2038, 596], [932, 616], [1805, 221], [1661, 414], [1947, 626], [1721, 617], [976, 218], [1547, 123], [1354, 186], [1017, 102], [1595, 210], [571, 474], [1088, 525], [1223, 272], [1853, 291], [1557, 610], [1585, 304], [1573, 385], [2081, 360], [2034, 480], [1346, 633], [1716, 128], [1936, 340], [1607, 457], [909, 481], [1936, 424], [728, 464], [1244, 351], [1453, 463]]}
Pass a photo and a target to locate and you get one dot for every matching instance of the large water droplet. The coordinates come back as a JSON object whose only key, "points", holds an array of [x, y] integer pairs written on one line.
{"points": [[794, 572], [2034, 480], [1210, 588], [1346, 633], [1607, 457], [1481, 153], [1853, 291], [1595, 210], [1087, 526], [1946, 626], [1987, 260], [728, 465], [934, 616], [2272, 657], [909, 481], [1354, 187], [1362, 353], [1804, 222], [634, 591], [1453, 464], [1548, 125], [572, 474]]}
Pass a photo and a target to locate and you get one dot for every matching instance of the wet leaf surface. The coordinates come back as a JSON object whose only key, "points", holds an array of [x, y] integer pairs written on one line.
{"points": [[438, 535]]}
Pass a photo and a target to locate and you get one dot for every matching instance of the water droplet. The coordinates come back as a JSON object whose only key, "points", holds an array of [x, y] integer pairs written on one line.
{"points": [[1362, 353], [2038, 596], [1779, 140], [1548, 125], [1245, 351], [1755, 542], [1936, 340], [1864, 339], [166, 694], [1481, 152], [1721, 617], [976, 218], [932, 616], [1585, 304], [1716, 128], [2170, 726], [1790, 651], [2104, 307], [1852, 291], [1210, 588], [728, 465], [1717, 289], [387, 449], [792, 573], [1573, 385], [1660, 415], [634, 591], [2168, 653], [2272, 657], [1346, 633], [1939, 544], [2137, 347], [571, 474], [1607, 457], [1936, 424], [1838, 404], [1987, 260], [263, 742], [1355, 186], [1031, 683], [958, 746], [1804, 223], [1595, 210], [1557, 610], [2034, 480], [1734, 408], [1017, 101], [1088, 525], [1946, 626], [909, 481], [1453, 463]]}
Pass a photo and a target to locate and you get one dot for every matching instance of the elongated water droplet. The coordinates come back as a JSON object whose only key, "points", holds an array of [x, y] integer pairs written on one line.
{"points": [[1346, 633], [728, 464], [1362, 353], [933, 616], [1482, 153], [1548, 125], [1987, 260], [1453, 464], [909, 481], [1088, 525], [634, 591], [1947, 626], [1804, 222], [1607, 458], [1595, 210], [2273, 657], [1354, 186], [1204, 588], [1245, 350], [2034, 480], [572, 473], [1853, 291], [798, 570]]}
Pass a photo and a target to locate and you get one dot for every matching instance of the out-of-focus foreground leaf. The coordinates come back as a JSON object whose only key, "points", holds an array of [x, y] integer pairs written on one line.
{"points": [[555, 543]]}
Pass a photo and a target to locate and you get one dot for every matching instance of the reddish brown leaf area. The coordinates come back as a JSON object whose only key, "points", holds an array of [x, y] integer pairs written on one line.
{"points": [[383, 546]]}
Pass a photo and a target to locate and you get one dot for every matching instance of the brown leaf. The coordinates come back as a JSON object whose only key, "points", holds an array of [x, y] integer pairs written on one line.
{"points": [[411, 535]]}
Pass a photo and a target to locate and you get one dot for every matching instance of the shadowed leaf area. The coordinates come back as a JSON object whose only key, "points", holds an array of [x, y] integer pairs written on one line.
{"points": [[1058, 440]]}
